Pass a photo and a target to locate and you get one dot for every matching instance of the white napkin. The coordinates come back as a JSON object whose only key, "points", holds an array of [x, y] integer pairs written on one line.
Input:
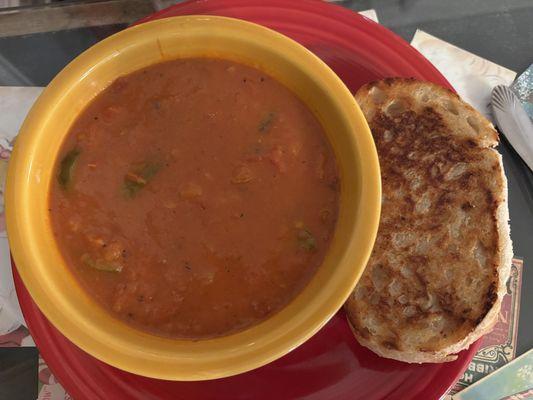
{"points": [[15, 103], [370, 14], [472, 77]]}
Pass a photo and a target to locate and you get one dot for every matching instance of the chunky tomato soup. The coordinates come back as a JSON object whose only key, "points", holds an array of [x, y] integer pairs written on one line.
{"points": [[194, 198]]}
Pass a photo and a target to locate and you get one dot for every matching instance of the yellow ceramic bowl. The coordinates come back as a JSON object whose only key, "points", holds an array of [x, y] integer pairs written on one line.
{"points": [[54, 288]]}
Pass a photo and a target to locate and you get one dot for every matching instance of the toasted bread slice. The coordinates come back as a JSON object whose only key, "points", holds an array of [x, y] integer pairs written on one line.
{"points": [[438, 271]]}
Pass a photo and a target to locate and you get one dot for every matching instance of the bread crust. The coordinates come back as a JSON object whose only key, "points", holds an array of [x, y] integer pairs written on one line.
{"points": [[436, 278]]}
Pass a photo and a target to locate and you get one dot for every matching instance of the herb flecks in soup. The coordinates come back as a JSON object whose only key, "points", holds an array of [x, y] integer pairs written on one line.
{"points": [[194, 198]]}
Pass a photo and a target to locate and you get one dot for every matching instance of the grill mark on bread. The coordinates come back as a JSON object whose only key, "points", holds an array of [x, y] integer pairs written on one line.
{"points": [[390, 345], [439, 240], [491, 299]]}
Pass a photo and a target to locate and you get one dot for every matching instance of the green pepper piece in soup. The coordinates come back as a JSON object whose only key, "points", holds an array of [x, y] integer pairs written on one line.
{"points": [[66, 168], [306, 240], [266, 122], [139, 178]]}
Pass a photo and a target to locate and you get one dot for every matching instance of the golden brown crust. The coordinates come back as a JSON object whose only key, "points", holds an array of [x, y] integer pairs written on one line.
{"points": [[437, 273]]}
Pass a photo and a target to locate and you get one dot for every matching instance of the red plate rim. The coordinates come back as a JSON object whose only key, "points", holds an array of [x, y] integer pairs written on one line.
{"points": [[406, 61]]}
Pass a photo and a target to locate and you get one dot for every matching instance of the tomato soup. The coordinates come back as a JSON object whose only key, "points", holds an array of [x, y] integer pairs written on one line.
{"points": [[194, 198]]}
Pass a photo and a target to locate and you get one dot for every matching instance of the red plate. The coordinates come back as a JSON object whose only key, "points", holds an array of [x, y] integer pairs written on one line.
{"points": [[331, 365]]}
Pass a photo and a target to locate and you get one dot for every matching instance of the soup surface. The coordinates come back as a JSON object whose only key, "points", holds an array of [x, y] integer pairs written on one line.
{"points": [[194, 198]]}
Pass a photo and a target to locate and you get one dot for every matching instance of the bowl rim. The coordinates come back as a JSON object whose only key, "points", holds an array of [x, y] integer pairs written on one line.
{"points": [[19, 234]]}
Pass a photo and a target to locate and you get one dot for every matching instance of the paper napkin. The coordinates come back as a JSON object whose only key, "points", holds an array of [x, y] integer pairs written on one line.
{"points": [[472, 77]]}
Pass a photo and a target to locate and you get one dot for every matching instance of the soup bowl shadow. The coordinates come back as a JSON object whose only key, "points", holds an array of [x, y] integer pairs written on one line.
{"points": [[56, 291]]}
